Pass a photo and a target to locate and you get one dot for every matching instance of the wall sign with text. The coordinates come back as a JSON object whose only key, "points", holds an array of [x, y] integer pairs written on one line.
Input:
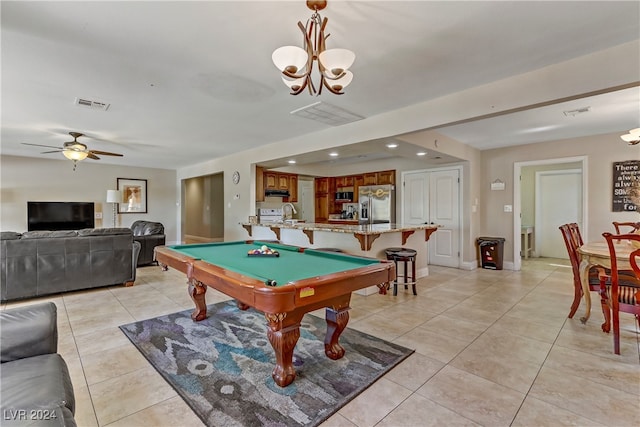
{"points": [[626, 177]]}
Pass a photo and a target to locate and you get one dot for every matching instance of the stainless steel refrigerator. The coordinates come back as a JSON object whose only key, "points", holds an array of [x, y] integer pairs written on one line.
{"points": [[377, 204]]}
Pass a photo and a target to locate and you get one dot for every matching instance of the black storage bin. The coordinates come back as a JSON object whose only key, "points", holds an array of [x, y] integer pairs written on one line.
{"points": [[491, 250]]}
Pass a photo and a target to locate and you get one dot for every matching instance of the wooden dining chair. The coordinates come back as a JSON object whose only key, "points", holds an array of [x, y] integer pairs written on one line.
{"points": [[624, 292], [626, 227], [573, 240]]}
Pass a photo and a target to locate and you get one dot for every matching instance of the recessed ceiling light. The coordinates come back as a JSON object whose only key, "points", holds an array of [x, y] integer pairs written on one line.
{"points": [[291, 161], [392, 145], [421, 153], [333, 154]]}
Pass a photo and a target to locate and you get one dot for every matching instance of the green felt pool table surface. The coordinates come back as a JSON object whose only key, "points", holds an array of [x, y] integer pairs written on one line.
{"points": [[291, 265]]}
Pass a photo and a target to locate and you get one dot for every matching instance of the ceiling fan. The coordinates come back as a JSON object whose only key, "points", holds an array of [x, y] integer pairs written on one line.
{"points": [[74, 150]]}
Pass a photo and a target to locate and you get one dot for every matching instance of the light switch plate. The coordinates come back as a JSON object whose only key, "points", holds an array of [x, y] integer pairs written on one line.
{"points": [[508, 208]]}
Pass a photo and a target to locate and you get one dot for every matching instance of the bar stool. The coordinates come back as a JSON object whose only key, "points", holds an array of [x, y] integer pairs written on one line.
{"points": [[406, 256]]}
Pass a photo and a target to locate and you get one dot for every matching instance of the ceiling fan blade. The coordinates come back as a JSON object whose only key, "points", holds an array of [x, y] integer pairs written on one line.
{"points": [[40, 145], [105, 153], [92, 156], [49, 152]]}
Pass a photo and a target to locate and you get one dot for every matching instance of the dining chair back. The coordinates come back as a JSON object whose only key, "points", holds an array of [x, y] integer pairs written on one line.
{"points": [[626, 227], [573, 240], [624, 292]]}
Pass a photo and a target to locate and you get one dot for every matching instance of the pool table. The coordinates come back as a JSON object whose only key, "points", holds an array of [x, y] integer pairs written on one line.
{"points": [[284, 288]]}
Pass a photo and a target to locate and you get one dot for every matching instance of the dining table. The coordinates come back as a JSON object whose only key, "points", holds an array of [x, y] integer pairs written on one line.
{"points": [[596, 254]]}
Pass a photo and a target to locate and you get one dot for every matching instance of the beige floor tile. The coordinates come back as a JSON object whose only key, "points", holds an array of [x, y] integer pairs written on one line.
{"points": [[537, 413], [480, 400], [414, 371], [440, 347], [122, 396], [373, 404], [526, 328], [337, 420], [476, 315], [101, 340], [113, 362], [84, 416], [172, 412], [420, 411], [590, 399], [382, 326], [458, 328], [621, 376], [101, 321], [509, 360]]}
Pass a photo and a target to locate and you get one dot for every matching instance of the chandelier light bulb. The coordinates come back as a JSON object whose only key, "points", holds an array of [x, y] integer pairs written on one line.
{"points": [[633, 137], [342, 82], [336, 61], [290, 59]]}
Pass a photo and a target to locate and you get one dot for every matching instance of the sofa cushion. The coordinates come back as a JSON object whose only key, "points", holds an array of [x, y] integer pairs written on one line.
{"points": [[10, 235], [35, 388], [146, 228], [103, 231], [49, 234]]}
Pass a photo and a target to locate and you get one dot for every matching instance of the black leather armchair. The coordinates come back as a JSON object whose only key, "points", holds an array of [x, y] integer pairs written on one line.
{"points": [[149, 234], [35, 382]]}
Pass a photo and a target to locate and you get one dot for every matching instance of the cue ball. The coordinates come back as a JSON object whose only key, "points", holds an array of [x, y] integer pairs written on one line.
{"points": [[264, 247]]}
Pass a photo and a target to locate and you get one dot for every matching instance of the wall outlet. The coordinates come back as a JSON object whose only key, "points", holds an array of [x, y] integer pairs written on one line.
{"points": [[98, 215]]}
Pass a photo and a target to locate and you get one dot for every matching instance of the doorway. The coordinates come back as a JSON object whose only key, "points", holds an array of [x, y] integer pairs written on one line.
{"points": [[203, 209], [525, 200], [433, 197]]}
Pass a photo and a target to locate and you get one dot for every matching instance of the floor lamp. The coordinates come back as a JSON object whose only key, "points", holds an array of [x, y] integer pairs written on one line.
{"points": [[114, 197]]}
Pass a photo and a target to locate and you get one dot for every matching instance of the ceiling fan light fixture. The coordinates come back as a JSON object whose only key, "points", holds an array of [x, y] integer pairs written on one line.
{"points": [[296, 63], [633, 137], [73, 154]]}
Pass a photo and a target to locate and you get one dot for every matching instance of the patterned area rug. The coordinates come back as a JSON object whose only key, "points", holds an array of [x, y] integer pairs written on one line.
{"points": [[222, 366]]}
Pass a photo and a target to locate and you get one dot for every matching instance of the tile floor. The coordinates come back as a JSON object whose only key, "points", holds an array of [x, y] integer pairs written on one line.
{"points": [[492, 348]]}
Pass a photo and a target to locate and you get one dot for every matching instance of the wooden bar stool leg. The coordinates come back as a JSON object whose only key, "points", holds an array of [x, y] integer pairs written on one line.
{"points": [[413, 276], [405, 274]]}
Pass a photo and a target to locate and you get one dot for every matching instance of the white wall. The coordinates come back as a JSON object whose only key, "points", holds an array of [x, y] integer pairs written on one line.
{"points": [[31, 179], [601, 151]]}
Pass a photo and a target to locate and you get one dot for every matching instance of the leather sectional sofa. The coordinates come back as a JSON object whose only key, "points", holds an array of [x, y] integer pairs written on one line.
{"points": [[149, 235], [35, 384], [39, 263]]}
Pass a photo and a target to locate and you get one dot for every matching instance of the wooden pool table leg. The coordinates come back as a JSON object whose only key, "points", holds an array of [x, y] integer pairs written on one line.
{"points": [[197, 293], [337, 320], [283, 333]]}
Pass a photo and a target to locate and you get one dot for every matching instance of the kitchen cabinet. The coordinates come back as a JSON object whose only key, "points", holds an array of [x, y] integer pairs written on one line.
{"points": [[321, 185], [358, 181], [370, 178], [259, 184], [344, 181], [293, 189], [271, 180], [283, 181], [386, 177]]}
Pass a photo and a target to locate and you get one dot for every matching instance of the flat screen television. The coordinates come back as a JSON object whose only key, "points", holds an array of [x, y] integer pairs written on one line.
{"points": [[60, 215]]}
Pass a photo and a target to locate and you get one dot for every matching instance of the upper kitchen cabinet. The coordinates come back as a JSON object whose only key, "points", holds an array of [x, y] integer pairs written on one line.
{"points": [[386, 177], [370, 178], [293, 189], [271, 180]]}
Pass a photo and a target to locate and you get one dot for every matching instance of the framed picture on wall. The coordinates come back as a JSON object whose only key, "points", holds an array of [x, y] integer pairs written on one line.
{"points": [[134, 195]]}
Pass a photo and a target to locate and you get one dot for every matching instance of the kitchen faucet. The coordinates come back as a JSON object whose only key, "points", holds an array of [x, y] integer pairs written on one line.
{"points": [[293, 210]]}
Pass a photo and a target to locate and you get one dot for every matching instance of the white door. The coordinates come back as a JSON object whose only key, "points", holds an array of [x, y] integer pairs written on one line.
{"points": [[558, 201], [433, 197], [306, 200], [444, 191], [416, 198]]}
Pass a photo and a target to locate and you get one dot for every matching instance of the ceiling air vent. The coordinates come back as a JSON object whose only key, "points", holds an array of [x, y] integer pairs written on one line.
{"points": [[577, 111], [94, 105], [327, 113]]}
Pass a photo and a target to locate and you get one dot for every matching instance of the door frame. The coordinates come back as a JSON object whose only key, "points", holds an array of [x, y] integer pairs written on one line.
{"points": [[517, 203], [460, 170]]}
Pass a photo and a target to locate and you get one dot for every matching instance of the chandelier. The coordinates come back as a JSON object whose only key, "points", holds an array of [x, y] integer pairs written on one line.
{"points": [[633, 137], [296, 63]]}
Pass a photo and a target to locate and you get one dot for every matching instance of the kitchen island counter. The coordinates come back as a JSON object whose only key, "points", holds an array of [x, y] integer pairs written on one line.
{"points": [[365, 233]]}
